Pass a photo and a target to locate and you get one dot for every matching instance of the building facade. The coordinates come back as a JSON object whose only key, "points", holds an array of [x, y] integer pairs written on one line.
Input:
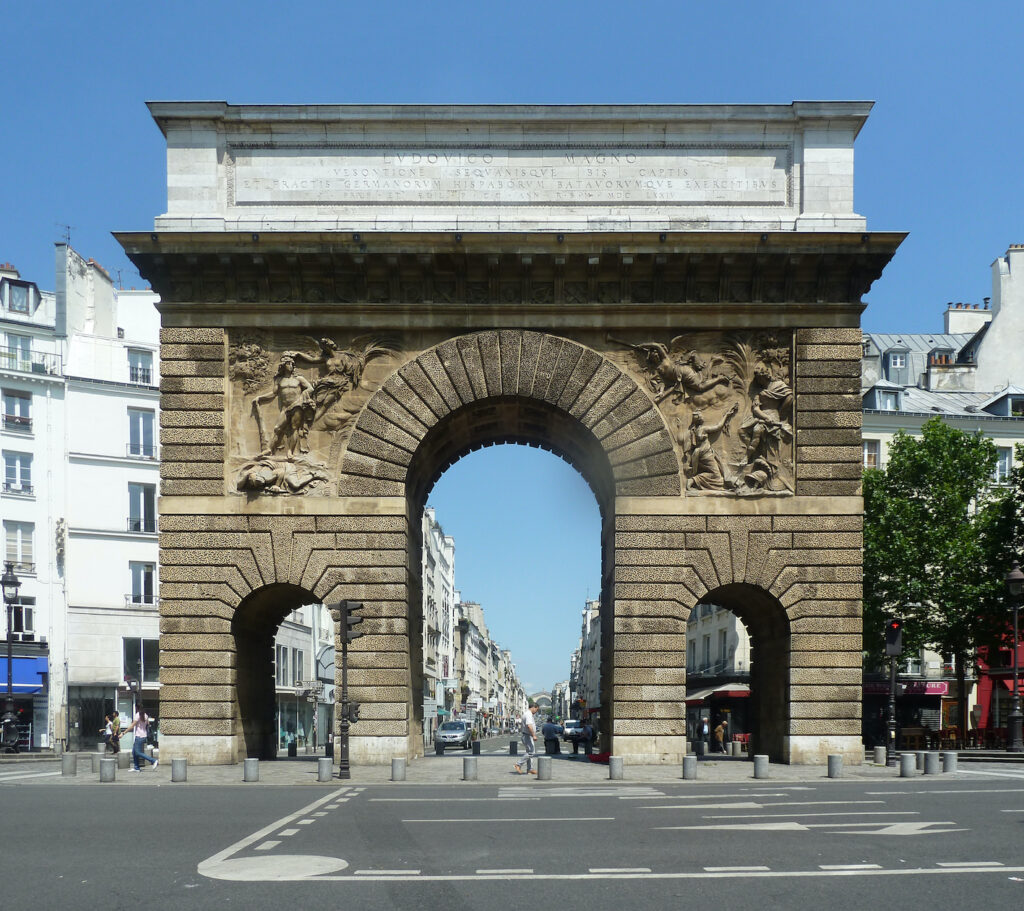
{"points": [[439, 622]]}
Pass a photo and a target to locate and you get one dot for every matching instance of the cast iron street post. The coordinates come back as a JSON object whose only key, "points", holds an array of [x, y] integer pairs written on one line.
{"points": [[893, 648], [11, 583], [349, 711], [1015, 585]]}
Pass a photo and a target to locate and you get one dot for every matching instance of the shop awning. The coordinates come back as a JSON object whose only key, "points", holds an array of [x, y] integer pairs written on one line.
{"points": [[724, 691], [27, 674], [1008, 683], [443, 712]]}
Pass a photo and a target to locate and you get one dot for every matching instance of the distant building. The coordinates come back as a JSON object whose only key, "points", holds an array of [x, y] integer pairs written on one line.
{"points": [[585, 672], [439, 630]]}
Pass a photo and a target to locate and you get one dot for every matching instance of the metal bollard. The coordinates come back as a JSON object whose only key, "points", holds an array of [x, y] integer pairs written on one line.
{"points": [[513, 748], [835, 765], [69, 763], [544, 768], [760, 766], [469, 768], [179, 769], [96, 757], [700, 748], [250, 770], [879, 756], [920, 760], [615, 768], [124, 759], [438, 749], [108, 770], [397, 769], [931, 763], [476, 747], [949, 761], [690, 768], [735, 748], [908, 765]]}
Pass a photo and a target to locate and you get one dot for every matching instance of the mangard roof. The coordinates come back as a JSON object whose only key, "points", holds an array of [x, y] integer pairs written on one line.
{"points": [[925, 342]]}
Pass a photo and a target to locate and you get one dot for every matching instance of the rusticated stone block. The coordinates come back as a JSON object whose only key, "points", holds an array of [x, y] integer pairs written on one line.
{"points": [[829, 454], [391, 711], [190, 725], [195, 710], [192, 384], [812, 608], [660, 524], [191, 368], [825, 693], [849, 539], [204, 401], [214, 676], [650, 676], [624, 657], [827, 385], [361, 524], [194, 454], [382, 660], [643, 710], [833, 436], [649, 693], [380, 728], [844, 336], [838, 471], [367, 677], [192, 352], [815, 642], [651, 642], [383, 694], [196, 693], [647, 606], [825, 727], [205, 642], [194, 625], [212, 436], [191, 336], [200, 471], [828, 624], [829, 368], [664, 727], [818, 676], [210, 419], [830, 352], [827, 419], [190, 658], [650, 625], [816, 523], [852, 659], [807, 403], [824, 710]]}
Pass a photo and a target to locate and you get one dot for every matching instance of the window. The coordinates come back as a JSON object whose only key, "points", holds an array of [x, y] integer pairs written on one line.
{"points": [[140, 433], [18, 353], [19, 296], [142, 507], [888, 401], [871, 451], [17, 472], [281, 666], [18, 545], [897, 360], [23, 617], [298, 666], [17, 410], [143, 578], [140, 366], [691, 656], [723, 645], [707, 651], [1004, 464], [142, 660]]}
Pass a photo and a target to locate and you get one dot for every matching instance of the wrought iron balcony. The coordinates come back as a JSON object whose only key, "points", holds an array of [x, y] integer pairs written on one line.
{"points": [[141, 451], [141, 601], [23, 361], [17, 423], [12, 487], [144, 525]]}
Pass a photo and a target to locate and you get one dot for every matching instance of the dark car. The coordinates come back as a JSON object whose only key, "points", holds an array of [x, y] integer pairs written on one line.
{"points": [[454, 734]]}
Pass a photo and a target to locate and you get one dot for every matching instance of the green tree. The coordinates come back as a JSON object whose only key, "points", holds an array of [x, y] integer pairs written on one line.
{"points": [[937, 543]]}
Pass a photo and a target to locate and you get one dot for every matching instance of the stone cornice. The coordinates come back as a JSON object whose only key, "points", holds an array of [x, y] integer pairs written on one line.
{"points": [[610, 277]]}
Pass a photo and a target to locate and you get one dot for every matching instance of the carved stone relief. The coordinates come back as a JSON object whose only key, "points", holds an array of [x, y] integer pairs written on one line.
{"points": [[729, 397], [288, 426]]}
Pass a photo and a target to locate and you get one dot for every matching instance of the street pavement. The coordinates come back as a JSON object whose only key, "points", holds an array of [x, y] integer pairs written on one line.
{"points": [[796, 839]]}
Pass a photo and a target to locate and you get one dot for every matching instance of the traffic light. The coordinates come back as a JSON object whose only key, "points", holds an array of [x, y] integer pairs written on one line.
{"points": [[348, 609], [894, 638]]}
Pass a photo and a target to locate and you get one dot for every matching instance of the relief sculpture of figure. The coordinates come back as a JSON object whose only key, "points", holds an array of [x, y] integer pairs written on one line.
{"points": [[679, 377], [294, 394], [340, 372], [705, 469], [767, 429], [276, 476]]}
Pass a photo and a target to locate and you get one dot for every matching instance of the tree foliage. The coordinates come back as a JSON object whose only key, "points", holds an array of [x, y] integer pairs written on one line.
{"points": [[937, 542]]}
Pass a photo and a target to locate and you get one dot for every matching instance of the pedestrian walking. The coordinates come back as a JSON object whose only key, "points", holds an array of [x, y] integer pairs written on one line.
{"points": [[106, 731], [115, 732], [587, 736], [720, 736], [528, 730], [140, 728]]}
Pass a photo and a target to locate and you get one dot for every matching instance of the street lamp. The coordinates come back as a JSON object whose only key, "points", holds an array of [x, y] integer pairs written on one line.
{"points": [[1015, 586], [11, 583]]}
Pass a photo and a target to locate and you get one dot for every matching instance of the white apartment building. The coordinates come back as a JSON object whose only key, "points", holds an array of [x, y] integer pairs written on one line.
{"points": [[439, 632], [304, 679], [585, 673]]}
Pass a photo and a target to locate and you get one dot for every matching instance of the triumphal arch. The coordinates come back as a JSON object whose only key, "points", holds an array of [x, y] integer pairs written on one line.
{"points": [[353, 297]]}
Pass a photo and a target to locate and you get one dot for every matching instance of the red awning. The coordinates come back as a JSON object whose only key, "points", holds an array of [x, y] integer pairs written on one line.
{"points": [[1008, 683]]}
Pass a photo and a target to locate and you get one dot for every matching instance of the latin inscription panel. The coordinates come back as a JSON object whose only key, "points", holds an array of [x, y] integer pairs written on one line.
{"points": [[686, 175]]}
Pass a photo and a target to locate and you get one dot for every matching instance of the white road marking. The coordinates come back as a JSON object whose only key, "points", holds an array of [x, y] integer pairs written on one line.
{"points": [[445, 799], [803, 815], [620, 869], [321, 813], [894, 828], [590, 791], [970, 863], [1017, 775], [850, 866], [21, 776], [764, 806], [749, 805], [267, 845], [306, 822], [385, 872], [287, 831], [1011, 811], [735, 869], [521, 870], [907, 828], [698, 797], [967, 792], [504, 819]]}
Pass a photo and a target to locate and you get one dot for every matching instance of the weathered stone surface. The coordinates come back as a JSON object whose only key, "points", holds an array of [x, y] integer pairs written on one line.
{"points": [[191, 336]]}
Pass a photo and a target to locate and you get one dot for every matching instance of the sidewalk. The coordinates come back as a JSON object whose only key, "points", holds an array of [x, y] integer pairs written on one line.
{"points": [[492, 769]]}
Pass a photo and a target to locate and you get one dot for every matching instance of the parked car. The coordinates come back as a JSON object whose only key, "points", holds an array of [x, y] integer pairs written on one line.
{"points": [[572, 730], [454, 734]]}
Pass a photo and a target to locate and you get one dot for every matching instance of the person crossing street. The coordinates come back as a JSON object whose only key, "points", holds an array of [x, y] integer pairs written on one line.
{"points": [[528, 730]]}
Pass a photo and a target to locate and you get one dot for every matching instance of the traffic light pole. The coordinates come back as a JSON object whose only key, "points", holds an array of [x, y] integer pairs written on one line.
{"points": [[343, 766], [890, 740]]}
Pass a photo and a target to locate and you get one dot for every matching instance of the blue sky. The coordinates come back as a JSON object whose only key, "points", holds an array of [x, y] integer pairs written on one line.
{"points": [[940, 157]]}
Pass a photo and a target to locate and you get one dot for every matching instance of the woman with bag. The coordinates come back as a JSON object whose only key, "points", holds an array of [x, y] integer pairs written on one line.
{"points": [[140, 728]]}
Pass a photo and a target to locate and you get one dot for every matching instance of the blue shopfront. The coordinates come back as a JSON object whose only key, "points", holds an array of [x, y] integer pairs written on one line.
{"points": [[30, 686]]}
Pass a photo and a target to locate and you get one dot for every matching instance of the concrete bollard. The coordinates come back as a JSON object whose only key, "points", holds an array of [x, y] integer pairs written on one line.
{"points": [[760, 766], [108, 770], [476, 747], [469, 768], [544, 768], [124, 759], [96, 757], [101, 747], [397, 769], [438, 748], [513, 748], [931, 763], [879, 755], [700, 748], [179, 769], [919, 758], [949, 761], [615, 768], [908, 765], [69, 763], [735, 748], [690, 768], [250, 770], [835, 765]]}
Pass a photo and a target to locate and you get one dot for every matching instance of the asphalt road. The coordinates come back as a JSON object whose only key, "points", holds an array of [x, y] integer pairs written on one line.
{"points": [[905, 844]]}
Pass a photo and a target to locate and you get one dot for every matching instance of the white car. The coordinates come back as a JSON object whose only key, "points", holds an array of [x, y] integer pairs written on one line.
{"points": [[572, 730]]}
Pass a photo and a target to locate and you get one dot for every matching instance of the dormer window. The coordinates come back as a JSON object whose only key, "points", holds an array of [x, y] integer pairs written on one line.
{"points": [[896, 364], [897, 360], [19, 296], [888, 401]]}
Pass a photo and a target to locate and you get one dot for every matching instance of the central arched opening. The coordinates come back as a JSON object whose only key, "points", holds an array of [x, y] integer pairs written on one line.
{"points": [[523, 492]]}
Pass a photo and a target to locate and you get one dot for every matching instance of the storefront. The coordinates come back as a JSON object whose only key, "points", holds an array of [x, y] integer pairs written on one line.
{"points": [[925, 704], [727, 702], [30, 682]]}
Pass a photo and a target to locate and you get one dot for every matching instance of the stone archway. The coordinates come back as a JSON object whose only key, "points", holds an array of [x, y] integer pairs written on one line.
{"points": [[329, 345]]}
